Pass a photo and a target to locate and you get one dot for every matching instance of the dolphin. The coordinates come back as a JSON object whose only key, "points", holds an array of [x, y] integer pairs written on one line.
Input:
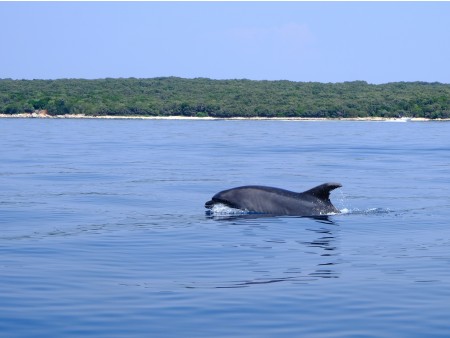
{"points": [[276, 201]]}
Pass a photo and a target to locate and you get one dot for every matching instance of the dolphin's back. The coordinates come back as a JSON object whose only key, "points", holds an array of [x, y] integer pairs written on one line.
{"points": [[276, 201]]}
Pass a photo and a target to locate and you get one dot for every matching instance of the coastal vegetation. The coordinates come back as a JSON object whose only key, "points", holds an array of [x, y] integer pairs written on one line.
{"points": [[171, 96]]}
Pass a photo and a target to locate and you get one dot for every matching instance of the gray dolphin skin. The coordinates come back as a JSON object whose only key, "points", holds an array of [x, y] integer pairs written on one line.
{"points": [[278, 202]]}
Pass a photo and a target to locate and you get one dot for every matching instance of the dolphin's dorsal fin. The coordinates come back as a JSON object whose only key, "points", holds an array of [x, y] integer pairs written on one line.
{"points": [[323, 191]]}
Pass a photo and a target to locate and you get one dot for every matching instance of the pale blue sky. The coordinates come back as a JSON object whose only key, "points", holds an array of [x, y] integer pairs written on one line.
{"points": [[377, 42]]}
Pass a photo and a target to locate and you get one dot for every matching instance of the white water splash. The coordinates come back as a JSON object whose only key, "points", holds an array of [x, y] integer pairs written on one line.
{"points": [[369, 211], [224, 210]]}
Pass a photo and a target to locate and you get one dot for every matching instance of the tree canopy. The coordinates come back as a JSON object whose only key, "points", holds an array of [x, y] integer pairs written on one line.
{"points": [[170, 96]]}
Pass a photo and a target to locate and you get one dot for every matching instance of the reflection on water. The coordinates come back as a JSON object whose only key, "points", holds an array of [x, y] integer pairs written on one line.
{"points": [[319, 245]]}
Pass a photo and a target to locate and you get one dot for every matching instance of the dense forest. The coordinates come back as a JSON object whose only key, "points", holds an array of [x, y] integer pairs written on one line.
{"points": [[224, 98]]}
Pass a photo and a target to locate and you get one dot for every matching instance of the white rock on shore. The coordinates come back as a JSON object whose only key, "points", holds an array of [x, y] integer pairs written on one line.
{"points": [[44, 115]]}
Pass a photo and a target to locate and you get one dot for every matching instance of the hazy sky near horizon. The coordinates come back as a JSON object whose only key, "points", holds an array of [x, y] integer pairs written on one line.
{"points": [[377, 42]]}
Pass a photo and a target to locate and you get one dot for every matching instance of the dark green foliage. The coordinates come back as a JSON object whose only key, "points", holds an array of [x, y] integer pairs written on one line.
{"points": [[225, 98]]}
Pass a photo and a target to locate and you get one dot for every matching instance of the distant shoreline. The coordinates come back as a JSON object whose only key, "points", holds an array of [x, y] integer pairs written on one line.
{"points": [[194, 118], [131, 98]]}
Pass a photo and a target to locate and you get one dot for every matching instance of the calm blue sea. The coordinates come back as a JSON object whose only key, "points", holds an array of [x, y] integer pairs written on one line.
{"points": [[103, 231]]}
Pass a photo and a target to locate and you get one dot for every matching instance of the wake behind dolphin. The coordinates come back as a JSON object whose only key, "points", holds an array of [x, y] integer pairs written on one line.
{"points": [[276, 201]]}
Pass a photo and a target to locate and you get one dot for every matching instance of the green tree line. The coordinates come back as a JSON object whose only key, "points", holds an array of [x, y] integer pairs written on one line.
{"points": [[224, 98]]}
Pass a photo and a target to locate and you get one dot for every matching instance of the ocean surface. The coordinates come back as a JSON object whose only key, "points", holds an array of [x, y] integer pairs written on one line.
{"points": [[103, 231]]}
